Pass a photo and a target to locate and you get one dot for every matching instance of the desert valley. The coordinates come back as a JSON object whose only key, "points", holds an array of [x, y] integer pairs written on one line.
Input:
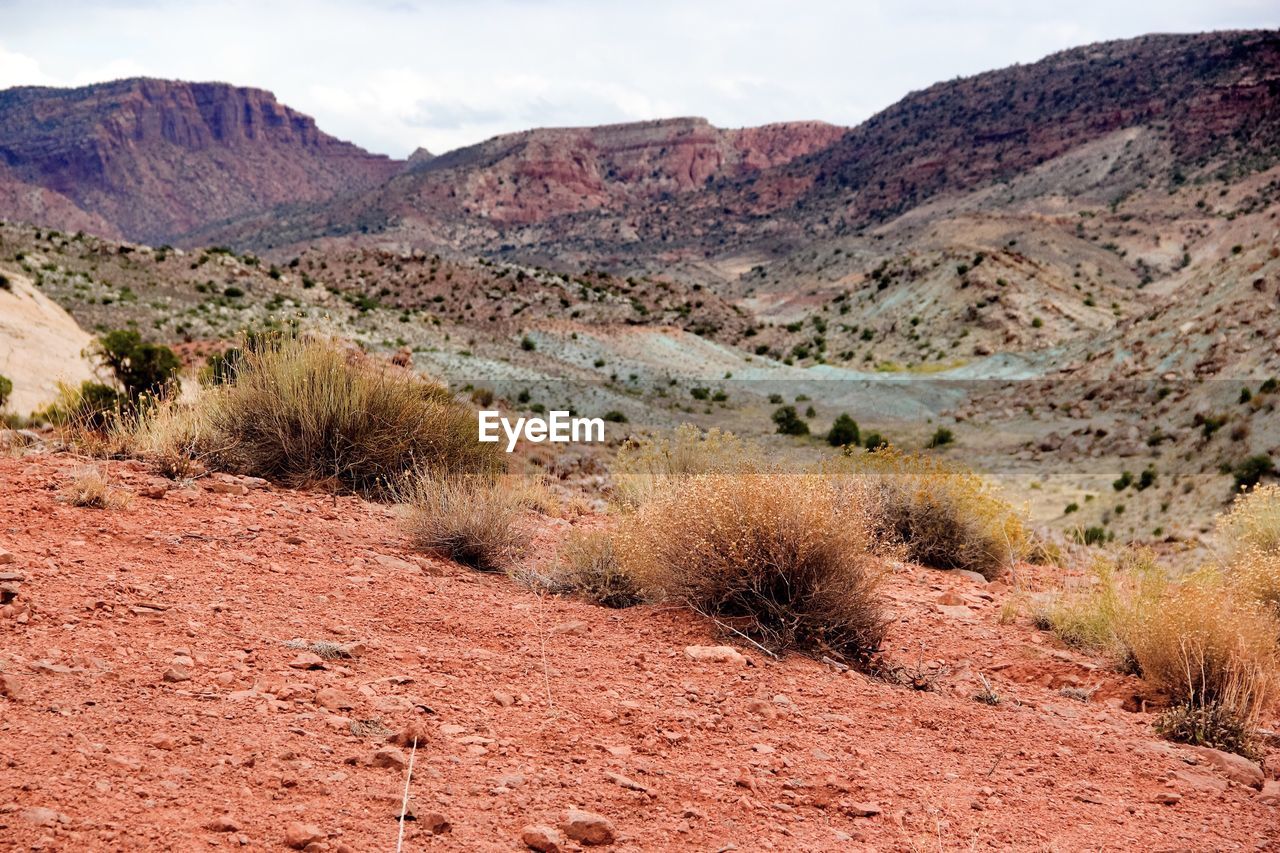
{"points": [[938, 505]]}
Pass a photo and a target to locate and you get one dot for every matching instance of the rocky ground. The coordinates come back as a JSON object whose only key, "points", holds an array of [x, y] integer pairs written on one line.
{"points": [[161, 690]]}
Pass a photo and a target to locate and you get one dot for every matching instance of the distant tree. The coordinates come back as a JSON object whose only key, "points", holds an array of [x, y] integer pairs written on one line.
{"points": [[138, 366], [844, 432], [941, 437], [788, 422], [1249, 471]]}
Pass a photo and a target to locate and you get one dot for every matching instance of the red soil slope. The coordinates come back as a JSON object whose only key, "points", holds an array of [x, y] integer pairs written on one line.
{"points": [[150, 702]]}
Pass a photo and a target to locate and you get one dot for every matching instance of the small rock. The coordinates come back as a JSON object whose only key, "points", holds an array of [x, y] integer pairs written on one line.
{"points": [[6, 557], [222, 823], [155, 490], [1167, 798], [588, 828], [307, 660], [504, 699], [762, 708], [1270, 794], [575, 627], [41, 816], [863, 809], [298, 835], [950, 598], [10, 687], [390, 756], [1237, 768], [542, 838], [624, 781], [175, 674], [973, 576], [715, 654], [434, 823], [332, 699]]}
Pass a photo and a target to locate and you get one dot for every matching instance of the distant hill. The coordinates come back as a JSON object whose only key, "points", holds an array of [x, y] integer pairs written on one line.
{"points": [[150, 160]]}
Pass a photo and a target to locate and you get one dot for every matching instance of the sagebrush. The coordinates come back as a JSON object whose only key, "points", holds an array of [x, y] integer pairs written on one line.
{"points": [[783, 558]]}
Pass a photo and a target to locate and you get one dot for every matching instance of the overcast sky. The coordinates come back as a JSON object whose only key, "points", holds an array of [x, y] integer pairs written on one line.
{"points": [[395, 74]]}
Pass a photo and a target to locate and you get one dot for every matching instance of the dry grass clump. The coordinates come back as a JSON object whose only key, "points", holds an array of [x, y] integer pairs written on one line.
{"points": [[946, 517], [305, 412], [1204, 642], [588, 566], [642, 468], [89, 487], [1256, 576], [784, 559], [1098, 614], [1253, 522], [1216, 656], [469, 519]]}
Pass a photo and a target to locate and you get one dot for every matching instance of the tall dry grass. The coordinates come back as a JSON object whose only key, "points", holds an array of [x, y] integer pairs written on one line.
{"points": [[1253, 522], [945, 516], [305, 412], [645, 467], [470, 519], [785, 559]]}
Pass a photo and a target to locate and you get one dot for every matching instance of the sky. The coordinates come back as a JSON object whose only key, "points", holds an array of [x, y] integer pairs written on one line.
{"points": [[393, 75]]}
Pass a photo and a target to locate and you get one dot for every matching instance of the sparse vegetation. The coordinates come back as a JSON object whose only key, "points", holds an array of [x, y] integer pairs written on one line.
{"points": [[588, 566], [788, 422], [89, 487], [469, 519], [783, 558], [946, 517], [6, 389], [844, 432]]}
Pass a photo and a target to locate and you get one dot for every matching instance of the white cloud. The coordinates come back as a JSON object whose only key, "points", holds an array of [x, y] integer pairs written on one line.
{"points": [[395, 74]]}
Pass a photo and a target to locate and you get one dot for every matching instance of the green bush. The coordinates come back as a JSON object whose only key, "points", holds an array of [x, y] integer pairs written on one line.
{"points": [[788, 422], [941, 437], [1249, 471], [6, 388], [139, 367], [844, 432]]}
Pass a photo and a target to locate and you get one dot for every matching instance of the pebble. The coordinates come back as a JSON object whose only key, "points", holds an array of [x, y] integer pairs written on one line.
{"points": [[10, 687], [542, 838], [390, 756], [307, 660], [624, 781], [6, 557], [41, 816], [1168, 798], [222, 823], [333, 699], [175, 674], [588, 828], [298, 835], [715, 654]]}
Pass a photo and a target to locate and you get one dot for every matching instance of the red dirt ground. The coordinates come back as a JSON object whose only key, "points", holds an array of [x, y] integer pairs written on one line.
{"points": [[526, 705]]}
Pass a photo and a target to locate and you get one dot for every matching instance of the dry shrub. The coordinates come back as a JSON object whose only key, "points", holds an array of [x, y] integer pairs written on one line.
{"points": [[1256, 576], [1215, 654], [172, 436], [1253, 522], [89, 487], [644, 467], [783, 558], [1098, 614], [305, 412], [588, 566], [945, 516], [468, 519]]}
